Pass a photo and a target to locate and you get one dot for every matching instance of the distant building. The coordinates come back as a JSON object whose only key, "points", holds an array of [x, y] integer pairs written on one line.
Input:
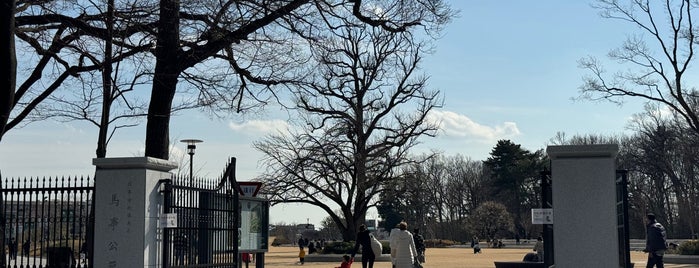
{"points": [[304, 227], [372, 224]]}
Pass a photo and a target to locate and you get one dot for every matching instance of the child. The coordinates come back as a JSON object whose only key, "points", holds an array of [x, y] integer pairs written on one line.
{"points": [[346, 262], [302, 255], [246, 259]]}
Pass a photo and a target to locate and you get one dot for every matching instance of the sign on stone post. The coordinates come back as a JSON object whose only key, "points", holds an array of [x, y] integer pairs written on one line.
{"points": [[542, 216]]}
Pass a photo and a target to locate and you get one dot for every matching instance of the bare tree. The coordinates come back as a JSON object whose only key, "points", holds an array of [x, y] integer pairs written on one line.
{"points": [[663, 162], [61, 55], [364, 109], [251, 36], [656, 69], [257, 40]]}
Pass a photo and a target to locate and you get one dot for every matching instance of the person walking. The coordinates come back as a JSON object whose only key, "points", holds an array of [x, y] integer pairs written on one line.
{"points": [[12, 248], [25, 247], [419, 245], [181, 246], [656, 242], [364, 241], [539, 248], [405, 251]]}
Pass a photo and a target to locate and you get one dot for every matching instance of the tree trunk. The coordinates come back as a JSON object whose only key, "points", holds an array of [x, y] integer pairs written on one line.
{"points": [[164, 81], [9, 62], [107, 87], [7, 90]]}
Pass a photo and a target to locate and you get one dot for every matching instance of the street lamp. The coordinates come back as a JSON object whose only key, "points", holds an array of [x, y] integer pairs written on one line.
{"points": [[191, 146]]}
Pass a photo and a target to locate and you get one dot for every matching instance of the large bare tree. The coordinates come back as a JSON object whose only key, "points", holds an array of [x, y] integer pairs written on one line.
{"points": [[67, 65], [657, 59], [256, 38], [258, 41], [363, 109]]}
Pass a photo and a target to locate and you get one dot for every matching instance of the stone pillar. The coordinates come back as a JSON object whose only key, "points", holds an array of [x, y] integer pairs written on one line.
{"points": [[584, 205], [127, 206]]}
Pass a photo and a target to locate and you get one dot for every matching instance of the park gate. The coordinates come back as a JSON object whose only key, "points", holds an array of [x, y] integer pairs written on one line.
{"points": [[47, 222], [206, 229]]}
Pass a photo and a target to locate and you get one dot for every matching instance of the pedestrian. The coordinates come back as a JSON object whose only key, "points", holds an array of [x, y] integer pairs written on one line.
{"points": [[302, 255], [180, 245], [656, 243], [346, 262], [392, 243], [311, 248], [539, 248], [25, 248], [12, 248], [246, 259], [83, 252], [475, 244], [406, 253], [364, 241], [301, 242], [419, 245]]}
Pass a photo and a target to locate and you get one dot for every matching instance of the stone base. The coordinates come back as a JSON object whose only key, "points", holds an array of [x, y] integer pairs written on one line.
{"points": [[338, 258], [519, 264]]}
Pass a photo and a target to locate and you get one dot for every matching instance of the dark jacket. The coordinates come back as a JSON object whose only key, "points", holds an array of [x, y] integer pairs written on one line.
{"points": [[655, 237], [419, 242], [363, 240]]}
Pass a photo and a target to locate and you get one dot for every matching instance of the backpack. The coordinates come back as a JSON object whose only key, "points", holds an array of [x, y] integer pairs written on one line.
{"points": [[376, 246]]}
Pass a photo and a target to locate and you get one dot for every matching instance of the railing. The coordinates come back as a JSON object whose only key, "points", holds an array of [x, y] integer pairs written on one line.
{"points": [[206, 234], [47, 221]]}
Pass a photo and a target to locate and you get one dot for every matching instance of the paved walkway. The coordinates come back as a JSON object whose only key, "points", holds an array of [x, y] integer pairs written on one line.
{"points": [[436, 258]]}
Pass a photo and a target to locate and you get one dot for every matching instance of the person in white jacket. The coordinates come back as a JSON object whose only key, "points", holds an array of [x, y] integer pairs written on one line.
{"points": [[403, 250]]}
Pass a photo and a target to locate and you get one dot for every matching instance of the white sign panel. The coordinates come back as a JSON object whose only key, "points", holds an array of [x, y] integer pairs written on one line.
{"points": [[542, 216], [249, 188], [168, 220]]}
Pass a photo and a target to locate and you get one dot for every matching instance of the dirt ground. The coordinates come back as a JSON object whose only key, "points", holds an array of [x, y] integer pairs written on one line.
{"points": [[435, 257]]}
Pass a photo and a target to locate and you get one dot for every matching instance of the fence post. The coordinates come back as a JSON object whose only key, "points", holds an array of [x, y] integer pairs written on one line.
{"points": [[167, 232]]}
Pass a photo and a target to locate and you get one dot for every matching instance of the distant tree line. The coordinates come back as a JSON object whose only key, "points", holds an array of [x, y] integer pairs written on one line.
{"points": [[442, 194]]}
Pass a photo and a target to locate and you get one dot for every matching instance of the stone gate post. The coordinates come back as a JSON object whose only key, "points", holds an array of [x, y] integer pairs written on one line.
{"points": [[127, 206], [584, 205]]}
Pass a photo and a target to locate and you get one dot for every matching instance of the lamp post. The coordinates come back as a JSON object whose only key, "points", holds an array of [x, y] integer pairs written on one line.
{"points": [[191, 146]]}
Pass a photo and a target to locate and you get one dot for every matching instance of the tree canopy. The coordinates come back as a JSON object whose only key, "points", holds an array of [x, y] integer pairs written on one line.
{"points": [[360, 112]]}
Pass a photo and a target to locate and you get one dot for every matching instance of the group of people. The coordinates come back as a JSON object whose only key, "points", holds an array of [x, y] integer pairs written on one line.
{"points": [[407, 249], [12, 248], [313, 247]]}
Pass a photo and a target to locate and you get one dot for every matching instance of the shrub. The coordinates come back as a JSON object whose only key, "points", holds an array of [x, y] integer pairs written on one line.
{"points": [[338, 248], [278, 241], [689, 248], [439, 243]]}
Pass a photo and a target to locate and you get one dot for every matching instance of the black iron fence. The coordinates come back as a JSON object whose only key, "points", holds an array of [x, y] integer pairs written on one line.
{"points": [[47, 221], [206, 233]]}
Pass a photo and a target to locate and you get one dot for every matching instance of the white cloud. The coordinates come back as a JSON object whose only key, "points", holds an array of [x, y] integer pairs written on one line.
{"points": [[260, 126], [456, 125]]}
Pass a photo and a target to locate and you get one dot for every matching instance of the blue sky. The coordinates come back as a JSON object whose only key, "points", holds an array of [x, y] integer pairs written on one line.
{"points": [[507, 69]]}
